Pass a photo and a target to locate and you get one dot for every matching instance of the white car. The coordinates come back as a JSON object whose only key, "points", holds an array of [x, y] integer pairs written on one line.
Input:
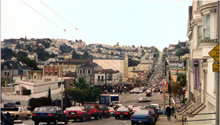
{"points": [[143, 99], [157, 106]]}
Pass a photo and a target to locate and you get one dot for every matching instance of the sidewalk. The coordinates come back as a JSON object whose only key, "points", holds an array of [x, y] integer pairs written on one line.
{"points": [[162, 120]]}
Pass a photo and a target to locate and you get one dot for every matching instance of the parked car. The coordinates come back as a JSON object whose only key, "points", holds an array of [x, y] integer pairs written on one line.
{"points": [[153, 109], [136, 108], [6, 119], [94, 109], [105, 111], [143, 99], [78, 112], [49, 114], [17, 112], [123, 112], [156, 90], [143, 117], [160, 112], [148, 93], [112, 111]]}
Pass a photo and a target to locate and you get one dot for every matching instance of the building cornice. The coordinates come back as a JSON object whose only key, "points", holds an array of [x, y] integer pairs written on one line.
{"points": [[208, 8]]}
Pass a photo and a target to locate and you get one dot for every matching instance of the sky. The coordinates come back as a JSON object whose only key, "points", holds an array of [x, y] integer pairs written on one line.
{"points": [[129, 22]]}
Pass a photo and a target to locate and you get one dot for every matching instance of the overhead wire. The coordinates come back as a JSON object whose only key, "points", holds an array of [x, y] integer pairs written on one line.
{"points": [[47, 19], [64, 19]]}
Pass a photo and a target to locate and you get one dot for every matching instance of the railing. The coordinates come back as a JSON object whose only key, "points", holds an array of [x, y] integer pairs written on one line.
{"points": [[185, 119]]}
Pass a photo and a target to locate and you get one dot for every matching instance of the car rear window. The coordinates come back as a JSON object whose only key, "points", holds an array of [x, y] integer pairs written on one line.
{"points": [[89, 106], [46, 109], [76, 108], [141, 112], [122, 109]]}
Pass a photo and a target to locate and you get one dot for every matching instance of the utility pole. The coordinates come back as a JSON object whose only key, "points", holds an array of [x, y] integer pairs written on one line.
{"points": [[218, 38], [62, 92], [169, 86]]}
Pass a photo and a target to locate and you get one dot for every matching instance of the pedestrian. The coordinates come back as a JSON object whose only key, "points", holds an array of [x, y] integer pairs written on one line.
{"points": [[168, 110], [172, 110]]}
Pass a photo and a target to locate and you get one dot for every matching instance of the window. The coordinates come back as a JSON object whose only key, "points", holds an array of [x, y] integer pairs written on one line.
{"points": [[200, 3], [102, 78], [51, 73], [89, 71], [83, 71], [38, 76], [55, 73], [199, 34], [5, 73], [98, 78], [46, 73], [207, 26]]}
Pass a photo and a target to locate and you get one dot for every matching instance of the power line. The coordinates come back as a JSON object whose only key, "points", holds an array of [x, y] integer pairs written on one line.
{"points": [[46, 18], [64, 19]]}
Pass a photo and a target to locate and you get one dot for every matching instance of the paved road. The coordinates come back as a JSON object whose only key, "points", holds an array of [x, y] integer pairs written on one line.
{"points": [[126, 99]]}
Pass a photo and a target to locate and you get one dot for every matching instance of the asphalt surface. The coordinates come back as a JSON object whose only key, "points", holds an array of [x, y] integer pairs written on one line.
{"points": [[125, 99]]}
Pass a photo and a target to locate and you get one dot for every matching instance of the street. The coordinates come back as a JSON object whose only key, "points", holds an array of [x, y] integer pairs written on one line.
{"points": [[126, 99]]}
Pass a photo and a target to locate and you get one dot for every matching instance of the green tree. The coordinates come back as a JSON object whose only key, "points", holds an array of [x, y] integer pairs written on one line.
{"points": [[182, 52], [182, 79], [176, 89], [65, 49], [7, 53], [49, 93], [42, 54], [82, 92], [75, 55], [132, 62]]}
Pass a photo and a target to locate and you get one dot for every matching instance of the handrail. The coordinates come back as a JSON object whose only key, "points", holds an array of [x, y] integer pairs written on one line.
{"points": [[184, 107], [185, 110], [195, 108], [185, 120], [198, 111]]}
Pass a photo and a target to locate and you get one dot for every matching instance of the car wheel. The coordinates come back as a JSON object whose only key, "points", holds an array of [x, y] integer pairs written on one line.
{"points": [[66, 121], [83, 119], [55, 122], [36, 122], [16, 117], [116, 117], [28, 116], [96, 117], [48, 123], [90, 118], [100, 116]]}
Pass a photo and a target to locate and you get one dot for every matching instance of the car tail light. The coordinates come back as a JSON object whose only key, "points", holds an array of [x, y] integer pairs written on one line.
{"points": [[50, 114], [105, 111], [147, 117], [125, 113], [117, 113], [34, 114], [133, 117], [79, 112], [95, 110]]}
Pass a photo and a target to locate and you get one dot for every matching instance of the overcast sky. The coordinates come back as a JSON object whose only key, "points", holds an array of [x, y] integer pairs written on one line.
{"points": [[129, 22]]}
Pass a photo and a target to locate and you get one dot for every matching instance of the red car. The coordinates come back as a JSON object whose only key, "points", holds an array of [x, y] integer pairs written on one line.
{"points": [[78, 112], [96, 112]]}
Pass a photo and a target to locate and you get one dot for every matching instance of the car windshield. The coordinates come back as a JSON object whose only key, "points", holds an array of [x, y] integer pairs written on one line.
{"points": [[46, 109], [89, 106], [9, 109], [141, 112]]}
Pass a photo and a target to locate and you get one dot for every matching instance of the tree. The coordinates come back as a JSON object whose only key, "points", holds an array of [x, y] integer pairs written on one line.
{"points": [[182, 79], [7, 53], [182, 52], [82, 92], [132, 62], [49, 93], [176, 89], [75, 55]]}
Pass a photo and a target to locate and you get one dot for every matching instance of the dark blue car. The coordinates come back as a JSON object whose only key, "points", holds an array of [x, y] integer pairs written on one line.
{"points": [[143, 117], [49, 114]]}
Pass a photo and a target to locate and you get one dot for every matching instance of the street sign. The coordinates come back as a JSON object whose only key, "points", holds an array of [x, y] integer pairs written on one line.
{"points": [[215, 67], [214, 53]]}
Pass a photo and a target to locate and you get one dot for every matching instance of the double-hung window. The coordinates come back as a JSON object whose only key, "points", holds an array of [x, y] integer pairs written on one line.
{"points": [[199, 34], [206, 27]]}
